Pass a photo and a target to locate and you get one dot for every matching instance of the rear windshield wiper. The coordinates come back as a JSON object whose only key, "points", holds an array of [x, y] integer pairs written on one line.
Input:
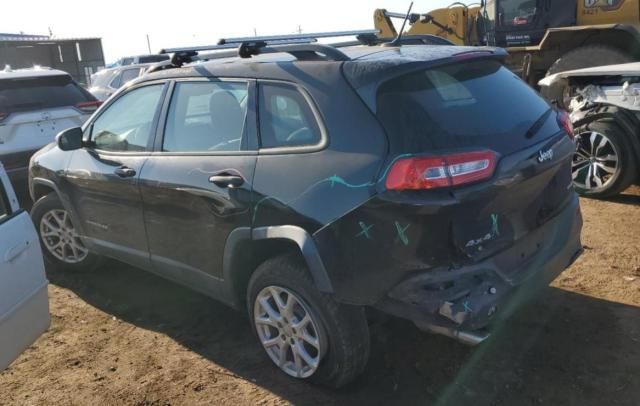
{"points": [[535, 127]]}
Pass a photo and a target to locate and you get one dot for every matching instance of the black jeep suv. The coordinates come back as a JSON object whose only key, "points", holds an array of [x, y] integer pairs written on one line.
{"points": [[309, 183]]}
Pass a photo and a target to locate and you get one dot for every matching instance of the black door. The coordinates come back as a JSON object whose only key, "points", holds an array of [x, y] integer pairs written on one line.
{"points": [[525, 22], [196, 187], [103, 178]]}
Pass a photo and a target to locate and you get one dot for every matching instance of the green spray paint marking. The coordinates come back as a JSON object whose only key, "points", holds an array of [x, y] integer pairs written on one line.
{"points": [[494, 225], [365, 230], [467, 308], [335, 179], [401, 233], [259, 202]]}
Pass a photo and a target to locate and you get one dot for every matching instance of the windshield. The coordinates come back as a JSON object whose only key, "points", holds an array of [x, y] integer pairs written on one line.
{"points": [[516, 12], [462, 105]]}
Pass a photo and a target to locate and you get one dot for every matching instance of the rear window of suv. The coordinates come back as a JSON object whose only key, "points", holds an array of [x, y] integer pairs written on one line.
{"points": [[40, 93], [473, 104]]}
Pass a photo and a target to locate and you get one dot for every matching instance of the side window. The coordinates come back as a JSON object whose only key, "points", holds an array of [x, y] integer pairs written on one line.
{"points": [[126, 124], [115, 82], [206, 116], [128, 75], [286, 119]]}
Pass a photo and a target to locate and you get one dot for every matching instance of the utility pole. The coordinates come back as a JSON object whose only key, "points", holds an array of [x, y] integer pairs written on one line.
{"points": [[148, 44], [299, 29]]}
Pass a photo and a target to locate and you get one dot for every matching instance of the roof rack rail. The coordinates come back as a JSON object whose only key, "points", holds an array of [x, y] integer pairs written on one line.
{"points": [[294, 37]]}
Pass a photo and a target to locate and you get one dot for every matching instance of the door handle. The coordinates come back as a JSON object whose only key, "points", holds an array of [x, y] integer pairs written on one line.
{"points": [[125, 172], [14, 252], [227, 180]]}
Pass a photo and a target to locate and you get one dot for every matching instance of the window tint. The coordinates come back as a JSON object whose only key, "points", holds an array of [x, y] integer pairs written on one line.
{"points": [[206, 116], [472, 104], [128, 75], [40, 93], [286, 120], [126, 61], [126, 124]]}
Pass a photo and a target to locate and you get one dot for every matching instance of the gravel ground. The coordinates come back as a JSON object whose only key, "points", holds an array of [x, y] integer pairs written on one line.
{"points": [[122, 336]]}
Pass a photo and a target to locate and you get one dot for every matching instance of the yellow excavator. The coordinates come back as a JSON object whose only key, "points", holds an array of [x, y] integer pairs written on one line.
{"points": [[542, 36]]}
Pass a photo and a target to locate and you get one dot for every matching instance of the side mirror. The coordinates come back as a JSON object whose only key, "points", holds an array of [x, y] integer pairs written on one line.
{"points": [[70, 139]]}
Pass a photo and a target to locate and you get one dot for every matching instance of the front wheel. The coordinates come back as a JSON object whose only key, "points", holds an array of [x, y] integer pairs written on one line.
{"points": [[61, 244], [306, 333]]}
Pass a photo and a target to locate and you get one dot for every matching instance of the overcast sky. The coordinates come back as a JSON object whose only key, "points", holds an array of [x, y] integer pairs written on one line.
{"points": [[123, 25]]}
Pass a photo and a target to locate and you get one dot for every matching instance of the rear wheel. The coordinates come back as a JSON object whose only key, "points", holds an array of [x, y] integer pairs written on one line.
{"points": [[304, 332], [61, 243], [604, 164], [579, 58]]}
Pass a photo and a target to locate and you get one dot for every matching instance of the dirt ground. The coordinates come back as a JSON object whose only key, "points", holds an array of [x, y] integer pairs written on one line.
{"points": [[122, 336]]}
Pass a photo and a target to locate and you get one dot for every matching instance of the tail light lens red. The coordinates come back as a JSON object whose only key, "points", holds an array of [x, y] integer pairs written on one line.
{"points": [[3, 115], [88, 107], [434, 172], [565, 122]]}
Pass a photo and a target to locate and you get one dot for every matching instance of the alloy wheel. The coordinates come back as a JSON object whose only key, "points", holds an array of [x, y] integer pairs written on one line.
{"points": [[288, 331], [595, 163], [60, 237]]}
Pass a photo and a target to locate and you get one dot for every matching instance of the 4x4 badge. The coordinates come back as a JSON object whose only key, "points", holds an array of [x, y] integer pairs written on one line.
{"points": [[545, 155]]}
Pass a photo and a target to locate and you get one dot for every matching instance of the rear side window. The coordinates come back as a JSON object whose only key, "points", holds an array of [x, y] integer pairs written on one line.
{"points": [[472, 104], [40, 93], [128, 75], [206, 116], [286, 119]]}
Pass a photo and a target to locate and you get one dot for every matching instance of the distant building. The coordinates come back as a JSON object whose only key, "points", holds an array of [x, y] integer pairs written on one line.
{"points": [[80, 57]]}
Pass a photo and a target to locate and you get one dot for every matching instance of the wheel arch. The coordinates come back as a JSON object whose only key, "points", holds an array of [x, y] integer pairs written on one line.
{"points": [[247, 248], [40, 187]]}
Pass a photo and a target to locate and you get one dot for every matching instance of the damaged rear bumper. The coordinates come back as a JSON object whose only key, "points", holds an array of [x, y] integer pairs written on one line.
{"points": [[462, 302]]}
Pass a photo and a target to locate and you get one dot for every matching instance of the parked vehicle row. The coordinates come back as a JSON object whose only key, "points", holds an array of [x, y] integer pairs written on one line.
{"points": [[309, 184]]}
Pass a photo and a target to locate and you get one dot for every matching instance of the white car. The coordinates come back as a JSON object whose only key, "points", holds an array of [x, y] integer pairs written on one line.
{"points": [[35, 105], [106, 82], [24, 301]]}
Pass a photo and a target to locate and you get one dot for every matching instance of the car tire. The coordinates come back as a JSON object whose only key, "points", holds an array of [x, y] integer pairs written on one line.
{"points": [[613, 141], [62, 248], [579, 58], [341, 330]]}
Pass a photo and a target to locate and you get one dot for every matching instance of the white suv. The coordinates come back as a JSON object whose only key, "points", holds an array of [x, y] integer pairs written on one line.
{"points": [[35, 105]]}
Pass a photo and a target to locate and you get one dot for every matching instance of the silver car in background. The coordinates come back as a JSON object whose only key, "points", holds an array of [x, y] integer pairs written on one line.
{"points": [[105, 82]]}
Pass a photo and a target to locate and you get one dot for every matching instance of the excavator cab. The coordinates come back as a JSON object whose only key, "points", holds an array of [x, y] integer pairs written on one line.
{"points": [[510, 23]]}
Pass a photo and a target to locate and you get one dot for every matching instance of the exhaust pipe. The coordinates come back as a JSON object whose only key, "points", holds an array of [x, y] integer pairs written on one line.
{"points": [[471, 338]]}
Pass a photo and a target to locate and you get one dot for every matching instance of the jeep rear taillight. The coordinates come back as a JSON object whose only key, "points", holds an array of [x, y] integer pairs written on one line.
{"points": [[3, 115], [442, 171], [88, 107], [564, 120]]}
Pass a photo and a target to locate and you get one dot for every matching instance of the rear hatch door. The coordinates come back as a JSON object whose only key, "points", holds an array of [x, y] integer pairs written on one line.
{"points": [[479, 105]]}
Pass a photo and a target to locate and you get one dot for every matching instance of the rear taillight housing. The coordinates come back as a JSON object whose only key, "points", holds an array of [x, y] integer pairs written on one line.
{"points": [[3, 115], [564, 120], [417, 173], [88, 107]]}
